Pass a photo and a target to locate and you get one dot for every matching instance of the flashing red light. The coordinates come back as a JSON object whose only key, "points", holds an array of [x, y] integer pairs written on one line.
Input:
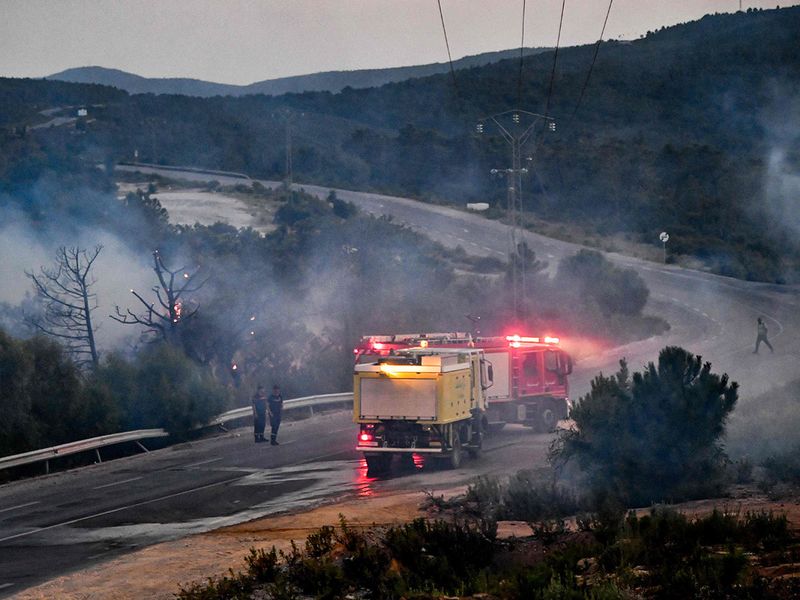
{"points": [[377, 345], [521, 338], [365, 437], [551, 340]]}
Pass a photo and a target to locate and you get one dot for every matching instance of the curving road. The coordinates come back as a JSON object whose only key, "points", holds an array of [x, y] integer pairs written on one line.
{"points": [[60, 523]]}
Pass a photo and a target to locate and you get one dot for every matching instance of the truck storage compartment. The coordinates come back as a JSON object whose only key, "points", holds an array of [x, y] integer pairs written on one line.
{"points": [[389, 398]]}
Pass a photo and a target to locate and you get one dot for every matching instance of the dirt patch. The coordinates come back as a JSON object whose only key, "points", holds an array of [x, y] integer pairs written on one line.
{"points": [[196, 205]]}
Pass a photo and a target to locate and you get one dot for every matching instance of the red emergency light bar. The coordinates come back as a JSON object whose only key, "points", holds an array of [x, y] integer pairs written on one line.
{"points": [[515, 341], [520, 338]]}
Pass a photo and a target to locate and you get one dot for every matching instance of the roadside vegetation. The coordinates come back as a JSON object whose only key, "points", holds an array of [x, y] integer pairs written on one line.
{"points": [[641, 440], [654, 554]]}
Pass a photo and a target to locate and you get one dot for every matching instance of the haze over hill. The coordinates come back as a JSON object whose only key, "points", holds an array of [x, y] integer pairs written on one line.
{"points": [[692, 130], [330, 81]]}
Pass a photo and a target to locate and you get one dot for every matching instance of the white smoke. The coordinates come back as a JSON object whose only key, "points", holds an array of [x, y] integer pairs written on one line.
{"points": [[116, 270]]}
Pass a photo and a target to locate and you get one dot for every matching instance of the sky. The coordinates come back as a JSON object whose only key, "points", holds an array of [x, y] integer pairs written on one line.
{"points": [[242, 41]]}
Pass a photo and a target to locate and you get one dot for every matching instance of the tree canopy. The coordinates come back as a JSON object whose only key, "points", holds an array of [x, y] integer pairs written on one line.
{"points": [[655, 435]]}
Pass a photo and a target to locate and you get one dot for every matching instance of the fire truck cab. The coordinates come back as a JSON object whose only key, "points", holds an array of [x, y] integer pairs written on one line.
{"points": [[530, 384]]}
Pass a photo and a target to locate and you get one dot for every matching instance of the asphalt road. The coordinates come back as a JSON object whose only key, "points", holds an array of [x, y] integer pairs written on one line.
{"points": [[64, 522]]}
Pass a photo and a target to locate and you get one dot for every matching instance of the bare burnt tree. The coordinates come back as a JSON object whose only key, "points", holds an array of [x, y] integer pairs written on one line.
{"points": [[65, 291], [165, 316]]}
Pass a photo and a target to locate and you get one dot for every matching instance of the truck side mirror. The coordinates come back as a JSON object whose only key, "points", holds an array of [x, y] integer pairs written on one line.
{"points": [[487, 374]]}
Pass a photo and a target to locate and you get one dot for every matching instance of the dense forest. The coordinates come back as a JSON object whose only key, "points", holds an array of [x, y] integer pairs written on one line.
{"points": [[684, 130]]}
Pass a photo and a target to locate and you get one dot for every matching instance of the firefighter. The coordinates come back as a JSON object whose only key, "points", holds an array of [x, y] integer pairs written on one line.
{"points": [[762, 335], [275, 401], [259, 414]]}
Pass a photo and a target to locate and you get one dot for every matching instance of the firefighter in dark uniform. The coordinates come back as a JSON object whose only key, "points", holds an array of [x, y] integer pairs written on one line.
{"points": [[259, 413], [762, 336], [275, 401]]}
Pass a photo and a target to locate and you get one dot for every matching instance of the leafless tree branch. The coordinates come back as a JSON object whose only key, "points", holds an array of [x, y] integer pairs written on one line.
{"points": [[65, 292]]}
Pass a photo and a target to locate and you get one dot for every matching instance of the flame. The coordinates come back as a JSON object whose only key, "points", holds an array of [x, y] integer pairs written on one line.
{"points": [[177, 309]]}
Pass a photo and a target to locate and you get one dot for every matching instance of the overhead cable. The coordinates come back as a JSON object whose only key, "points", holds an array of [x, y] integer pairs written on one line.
{"points": [[555, 59], [521, 50], [594, 58], [447, 43]]}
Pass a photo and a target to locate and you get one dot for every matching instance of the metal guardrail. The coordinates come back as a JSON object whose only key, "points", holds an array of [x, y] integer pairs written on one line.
{"points": [[46, 454], [197, 170], [304, 402], [79, 446]]}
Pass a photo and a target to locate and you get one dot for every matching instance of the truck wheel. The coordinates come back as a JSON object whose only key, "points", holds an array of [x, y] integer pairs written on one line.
{"points": [[378, 463], [476, 442], [454, 460], [476, 446], [548, 419]]}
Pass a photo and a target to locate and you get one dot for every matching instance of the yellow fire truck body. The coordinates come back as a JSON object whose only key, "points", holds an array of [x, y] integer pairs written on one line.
{"points": [[423, 401]]}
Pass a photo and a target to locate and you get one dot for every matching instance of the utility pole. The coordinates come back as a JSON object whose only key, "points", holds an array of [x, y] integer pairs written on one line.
{"points": [[516, 127], [289, 148], [287, 115]]}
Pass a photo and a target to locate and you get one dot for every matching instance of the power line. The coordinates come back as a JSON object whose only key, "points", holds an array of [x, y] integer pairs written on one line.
{"points": [[447, 43], [555, 59], [521, 50], [594, 58]]}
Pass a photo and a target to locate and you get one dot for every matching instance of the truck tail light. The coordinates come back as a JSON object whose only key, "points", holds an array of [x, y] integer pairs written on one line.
{"points": [[365, 437]]}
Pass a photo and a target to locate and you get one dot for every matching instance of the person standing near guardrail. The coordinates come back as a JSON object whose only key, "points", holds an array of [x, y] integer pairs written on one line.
{"points": [[275, 409], [259, 413]]}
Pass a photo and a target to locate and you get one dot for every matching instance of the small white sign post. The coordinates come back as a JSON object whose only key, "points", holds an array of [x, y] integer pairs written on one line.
{"points": [[664, 237]]}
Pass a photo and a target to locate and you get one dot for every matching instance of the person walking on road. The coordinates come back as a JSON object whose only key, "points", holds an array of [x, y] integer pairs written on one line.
{"points": [[259, 414], [275, 409], [762, 336]]}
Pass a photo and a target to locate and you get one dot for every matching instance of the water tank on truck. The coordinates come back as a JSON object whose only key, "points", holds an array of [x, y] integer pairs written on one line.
{"points": [[428, 401]]}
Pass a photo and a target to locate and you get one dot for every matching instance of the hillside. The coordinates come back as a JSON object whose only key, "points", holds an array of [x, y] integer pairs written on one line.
{"points": [[692, 129], [329, 81]]}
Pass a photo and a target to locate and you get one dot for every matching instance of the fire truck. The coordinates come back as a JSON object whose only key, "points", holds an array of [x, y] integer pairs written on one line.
{"points": [[529, 373], [420, 401]]}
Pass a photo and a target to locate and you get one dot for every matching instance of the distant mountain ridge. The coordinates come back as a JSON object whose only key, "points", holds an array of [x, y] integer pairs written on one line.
{"points": [[327, 81]]}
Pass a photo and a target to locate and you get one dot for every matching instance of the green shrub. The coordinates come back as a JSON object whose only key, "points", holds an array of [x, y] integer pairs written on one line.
{"points": [[433, 555], [262, 566], [162, 387], [525, 496], [654, 436]]}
